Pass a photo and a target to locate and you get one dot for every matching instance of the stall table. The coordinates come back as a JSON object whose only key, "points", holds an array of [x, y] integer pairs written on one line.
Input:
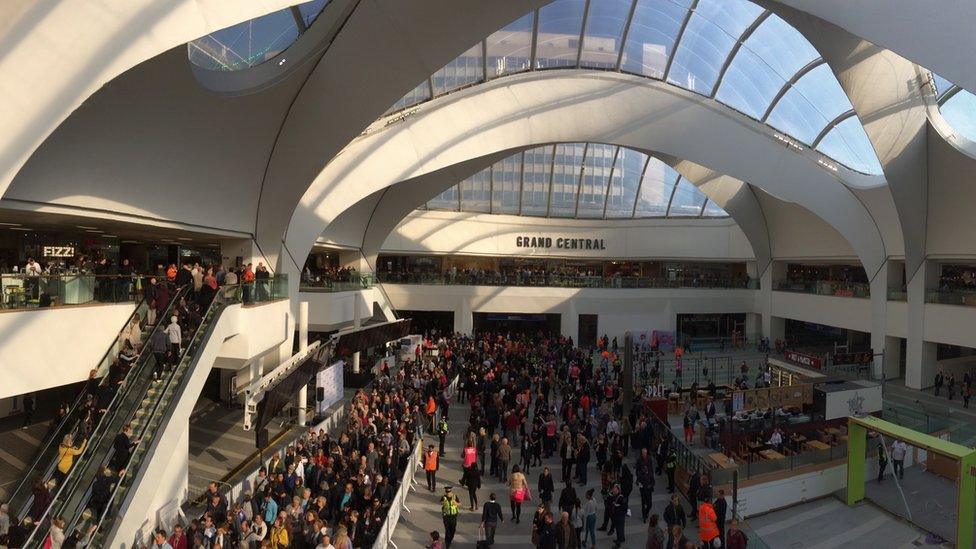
{"points": [[771, 454], [817, 445]]}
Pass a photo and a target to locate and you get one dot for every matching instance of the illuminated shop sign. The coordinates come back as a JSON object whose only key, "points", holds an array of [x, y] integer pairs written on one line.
{"points": [[547, 242], [59, 251]]}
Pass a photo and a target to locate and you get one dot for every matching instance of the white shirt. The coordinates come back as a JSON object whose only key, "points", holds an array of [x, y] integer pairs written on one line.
{"points": [[898, 450], [174, 333], [776, 439]]}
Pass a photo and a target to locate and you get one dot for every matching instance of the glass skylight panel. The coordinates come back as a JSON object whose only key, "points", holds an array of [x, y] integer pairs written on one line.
{"points": [[941, 84], [700, 55], [476, 192], [597, 168], [447, 200], [506, 176], [749, 84], [510, 49], [624, 181], [604, 32], [651, 37], [733, 16], [848, 144], [813, 102], [417, 95], [565, 179], [463, 70], [655, 190], [781, 47], [960, 112], [687, 201], [246, 44], [535, 180], [559, 32], [713, 210]]}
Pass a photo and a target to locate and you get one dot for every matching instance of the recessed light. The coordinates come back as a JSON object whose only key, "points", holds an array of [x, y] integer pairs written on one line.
{"points": [[94, 231], [109, 236], [84, 227], [10, 224], [184, 238], [20, 229], [129, 241]]}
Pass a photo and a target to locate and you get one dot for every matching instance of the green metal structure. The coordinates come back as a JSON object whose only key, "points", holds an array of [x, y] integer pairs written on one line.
{"points": [[858, 428]]}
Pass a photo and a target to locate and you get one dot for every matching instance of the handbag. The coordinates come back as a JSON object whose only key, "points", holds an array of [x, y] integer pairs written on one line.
{"points": [[519, 495]]}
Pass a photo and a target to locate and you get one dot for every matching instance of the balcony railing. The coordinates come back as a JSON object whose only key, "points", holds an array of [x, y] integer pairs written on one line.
{"points": [[22, 291], [360, 281], [952, 297], [824, 287], [563, 280]]}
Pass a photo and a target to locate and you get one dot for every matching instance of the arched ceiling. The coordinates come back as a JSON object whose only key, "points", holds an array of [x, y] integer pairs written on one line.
{"points": [[527, 110]]}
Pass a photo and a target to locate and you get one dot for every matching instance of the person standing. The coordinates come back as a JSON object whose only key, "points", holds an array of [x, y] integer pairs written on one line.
{"points": [[619, 515], [430, 467], [951, 385], [589, 520], [175, 335], [504, 457], [707, 521], [491, 515], [721, 507], [450, 504], [736, 538], [967, 393], [882, 461], [898, 451], [674, 515], [670, 465], [655, 536], [442, 431], [546, 486]]}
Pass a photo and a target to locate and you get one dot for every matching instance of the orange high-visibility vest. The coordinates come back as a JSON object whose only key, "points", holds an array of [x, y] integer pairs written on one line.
{"points": [[430, 462], [431, 406], [707, 522]]}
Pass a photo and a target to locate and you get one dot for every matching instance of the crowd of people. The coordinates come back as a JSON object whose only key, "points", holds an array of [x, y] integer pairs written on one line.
{"points": [[177, 299], [948, 382], [329, 490], [534, 398]]}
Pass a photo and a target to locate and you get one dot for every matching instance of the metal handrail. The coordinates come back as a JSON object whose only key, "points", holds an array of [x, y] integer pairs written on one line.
{"points": [[103, 423], [54, 436]]}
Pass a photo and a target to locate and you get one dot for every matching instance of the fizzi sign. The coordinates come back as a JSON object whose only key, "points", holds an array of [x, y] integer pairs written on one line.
{"points": [[546, 242], [59, 251], [804, 360]]}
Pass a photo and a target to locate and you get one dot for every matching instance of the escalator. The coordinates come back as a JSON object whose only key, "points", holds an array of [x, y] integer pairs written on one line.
{"points": [[83, 419], [146, 408]]}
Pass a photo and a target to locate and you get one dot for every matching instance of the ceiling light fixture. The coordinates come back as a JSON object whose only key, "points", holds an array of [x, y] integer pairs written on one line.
{"points": [[10, 224], [94, 231], [185, 239], [109, 236], [85, 227]]}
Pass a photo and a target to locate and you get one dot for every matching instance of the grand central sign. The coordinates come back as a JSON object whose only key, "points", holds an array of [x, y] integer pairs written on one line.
{"points": [[546, 242]]}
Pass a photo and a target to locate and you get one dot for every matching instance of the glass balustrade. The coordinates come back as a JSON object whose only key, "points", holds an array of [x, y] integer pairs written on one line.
{"points": [[824, 287], [564, 281], [21, 291]]}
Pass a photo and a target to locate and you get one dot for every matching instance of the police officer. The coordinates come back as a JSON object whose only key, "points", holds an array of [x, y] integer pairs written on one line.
{"points": [[449, 512], [442, 431], [670, 464]]}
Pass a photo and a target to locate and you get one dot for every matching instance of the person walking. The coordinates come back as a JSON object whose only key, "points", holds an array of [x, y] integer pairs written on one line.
{"points": [[450, 504], [645, 483], [491, 515], [472, 480], [967, 393], [29, 407], [546, 486], [898, 451], [504, 457], [670, 465], [939, 379], [519, 492], [655, 535]]}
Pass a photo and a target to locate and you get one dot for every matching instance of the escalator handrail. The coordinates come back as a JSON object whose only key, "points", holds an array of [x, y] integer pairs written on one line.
{"points": [[29, 473], [217, 307], [103, 423]]}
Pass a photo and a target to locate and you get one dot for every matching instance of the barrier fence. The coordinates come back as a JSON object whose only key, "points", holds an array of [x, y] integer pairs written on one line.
{"points": [[399, 503]]}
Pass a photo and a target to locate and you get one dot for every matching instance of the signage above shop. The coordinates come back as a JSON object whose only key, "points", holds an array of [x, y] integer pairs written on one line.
{"points": [[546, 242], [58, 251], [802, 359]]}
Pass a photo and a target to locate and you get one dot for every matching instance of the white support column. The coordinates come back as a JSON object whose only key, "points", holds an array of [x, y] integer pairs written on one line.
{"points": [[357, 322], [463, 318], [920, 364], [302, 345], [772, 328], [569, 321], [892, 357], [879, 320]]}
